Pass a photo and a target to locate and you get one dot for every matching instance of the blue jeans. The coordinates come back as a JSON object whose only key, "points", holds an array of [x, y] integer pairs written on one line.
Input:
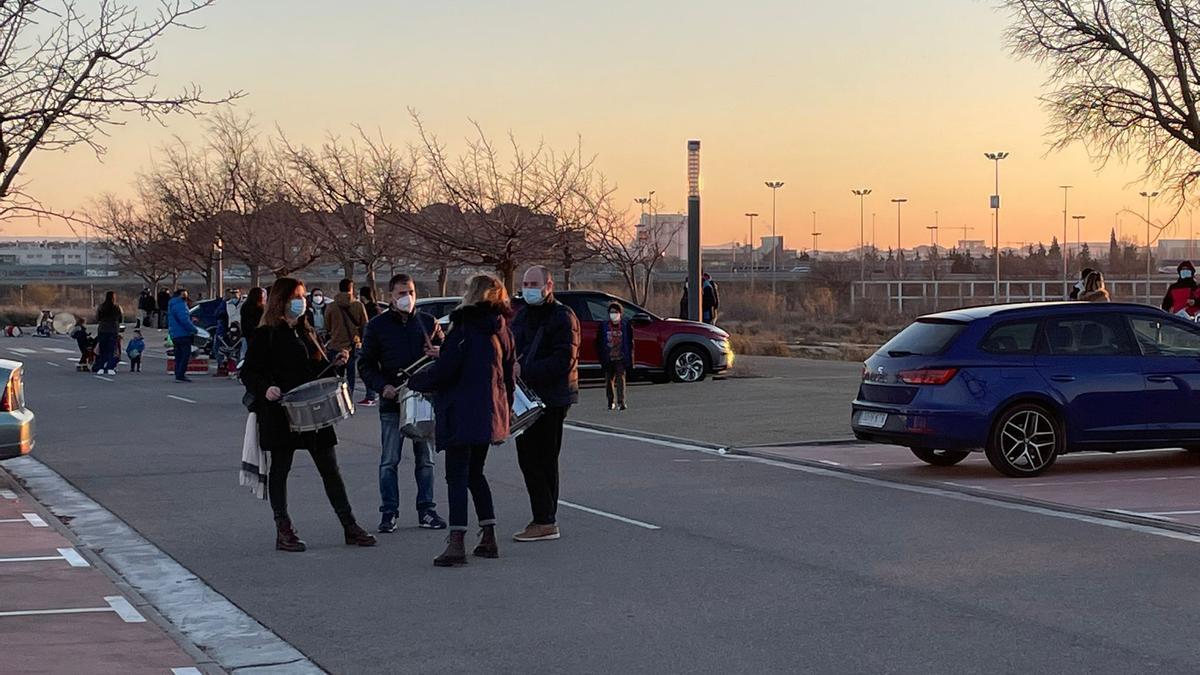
{"points": [[352, 369], [389, 459], [106, 352], [182, 348]]}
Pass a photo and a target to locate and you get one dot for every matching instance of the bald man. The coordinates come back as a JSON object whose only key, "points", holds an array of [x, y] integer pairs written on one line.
{"points": [[546, 334]]}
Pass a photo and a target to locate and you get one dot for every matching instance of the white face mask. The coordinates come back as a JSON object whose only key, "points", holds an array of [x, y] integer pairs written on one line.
{"points": [[404, 303], [318, 299], [614, 317]]}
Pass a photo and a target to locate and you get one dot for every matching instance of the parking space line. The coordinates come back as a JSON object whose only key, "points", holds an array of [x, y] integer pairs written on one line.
{"points": [[56, 365], [117, 604], [28, 518], [69, 554], [106, 379], [7, 494], [1173, 513], [180, 398], [1152, 516], [185, 671], [606, 514], [22, 350]]}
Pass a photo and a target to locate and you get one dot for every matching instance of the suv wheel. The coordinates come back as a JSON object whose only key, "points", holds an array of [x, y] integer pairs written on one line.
{"points": [[1025, 440], [688, 363]]}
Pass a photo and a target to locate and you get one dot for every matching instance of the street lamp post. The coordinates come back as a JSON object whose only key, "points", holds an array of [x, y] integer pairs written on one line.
{"points": [[1078, 231], [862, 220], [1063, 247], [899, 258], [774, 185], [753, 258], [695, 311], [1148, 196], [815, 235], [995, 203]]}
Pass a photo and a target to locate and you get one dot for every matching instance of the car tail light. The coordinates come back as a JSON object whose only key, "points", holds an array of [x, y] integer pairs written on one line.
{"points": [[6, 400], [927, 375], [11, 398]]}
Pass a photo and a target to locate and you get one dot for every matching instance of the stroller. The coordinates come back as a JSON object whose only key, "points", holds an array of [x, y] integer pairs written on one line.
{"points": [[227, 349]]}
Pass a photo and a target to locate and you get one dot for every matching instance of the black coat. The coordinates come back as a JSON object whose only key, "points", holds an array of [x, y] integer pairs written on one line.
{"points": [[249, 316], [281, 357], [472, 380], [164, 299], [109, 318], [553, 370], [391, 341]]}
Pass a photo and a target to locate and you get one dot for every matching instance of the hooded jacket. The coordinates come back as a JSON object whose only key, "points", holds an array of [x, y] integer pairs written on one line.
{"points": [[472, 381], [179, 319], [1178, 294], [345, 319]]}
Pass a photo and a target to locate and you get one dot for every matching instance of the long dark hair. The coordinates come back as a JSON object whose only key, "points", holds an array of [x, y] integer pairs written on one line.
{"points": [[275, 315], [257, 297], [110, 300]]}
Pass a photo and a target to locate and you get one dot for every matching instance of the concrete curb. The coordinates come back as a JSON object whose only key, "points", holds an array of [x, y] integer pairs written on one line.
{"points": [[1129, 518], [644, 434], [206, 621]]}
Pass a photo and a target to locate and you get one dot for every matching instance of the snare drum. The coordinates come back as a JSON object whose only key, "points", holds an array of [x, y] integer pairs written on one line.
{"points": [[318, 404], [526, 409]]}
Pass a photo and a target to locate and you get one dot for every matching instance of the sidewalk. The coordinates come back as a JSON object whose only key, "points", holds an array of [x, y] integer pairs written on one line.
{"points": [[60, 613]]}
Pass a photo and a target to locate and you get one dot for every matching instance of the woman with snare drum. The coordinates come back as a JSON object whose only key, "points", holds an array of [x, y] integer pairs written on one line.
{"points": [[472, 381], [283, 355]]}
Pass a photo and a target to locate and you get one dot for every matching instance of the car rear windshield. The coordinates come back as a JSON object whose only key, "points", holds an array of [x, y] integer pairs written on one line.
{"points": [[923, 338]]}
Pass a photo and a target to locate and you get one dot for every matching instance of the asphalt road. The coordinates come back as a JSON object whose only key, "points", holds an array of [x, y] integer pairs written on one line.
{"points": [[756, 567]]}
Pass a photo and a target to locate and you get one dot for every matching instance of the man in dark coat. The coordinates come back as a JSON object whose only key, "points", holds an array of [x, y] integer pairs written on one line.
{"points": [[392, 341], [546, 334], [164, 300]]}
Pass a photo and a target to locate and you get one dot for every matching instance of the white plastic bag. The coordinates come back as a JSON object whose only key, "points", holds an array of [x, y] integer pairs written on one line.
{"points": [[416, 415]]}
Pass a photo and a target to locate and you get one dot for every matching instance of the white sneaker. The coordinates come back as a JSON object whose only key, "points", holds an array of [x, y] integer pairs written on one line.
{"points": [[110, 372]]}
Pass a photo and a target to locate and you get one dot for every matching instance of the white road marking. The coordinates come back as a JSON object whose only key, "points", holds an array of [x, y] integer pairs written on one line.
{"points": [[8, 494], [651, 441], [1173, 513], [100, 377], [22, 350], [72, 556], [180, 398], [1149, 479], [606, 514], [59, 350], [56, 365], [35, 520], [829, 462], [185, 671], [1151, 516], [124, 609]]}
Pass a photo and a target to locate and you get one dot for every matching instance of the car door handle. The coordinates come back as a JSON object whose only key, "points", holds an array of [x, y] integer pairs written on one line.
{"points": [[1160, 378], [1062, 378]]}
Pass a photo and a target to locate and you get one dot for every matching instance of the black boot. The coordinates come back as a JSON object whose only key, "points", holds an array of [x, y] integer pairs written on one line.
{"points": [[286, 538], [487, 547], [455, 553], [356, 536]]}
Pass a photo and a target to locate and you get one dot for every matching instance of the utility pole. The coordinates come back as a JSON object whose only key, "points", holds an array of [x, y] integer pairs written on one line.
{"points": [[1063, 248], [862, 219], [899, 258], [995, 203], [753, 250], [815, 235], [774, 185], [1149, 255]]}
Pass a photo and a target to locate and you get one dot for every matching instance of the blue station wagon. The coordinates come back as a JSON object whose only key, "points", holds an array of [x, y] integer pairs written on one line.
{"points": [[1027, 383]]}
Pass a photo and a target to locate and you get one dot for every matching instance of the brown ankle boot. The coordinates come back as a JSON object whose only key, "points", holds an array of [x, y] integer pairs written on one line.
{"points": [[286, 538], [487, 547], [455, 553], [356, 536]]}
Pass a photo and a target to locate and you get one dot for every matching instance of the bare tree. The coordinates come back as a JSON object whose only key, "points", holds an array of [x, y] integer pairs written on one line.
{"points": [[1124, 80], [633, 252], [67, 73], [502, 211], [136, 239]]}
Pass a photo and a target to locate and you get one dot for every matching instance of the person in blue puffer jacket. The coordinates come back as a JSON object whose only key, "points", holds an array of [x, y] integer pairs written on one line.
{"points": [[182, 332]]}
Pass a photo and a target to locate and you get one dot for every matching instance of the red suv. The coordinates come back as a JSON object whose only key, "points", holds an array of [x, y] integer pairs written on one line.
{"points": [[684, 351]]}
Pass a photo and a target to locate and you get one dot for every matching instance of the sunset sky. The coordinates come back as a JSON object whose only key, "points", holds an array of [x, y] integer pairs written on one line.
{"points": [[900, 97]]}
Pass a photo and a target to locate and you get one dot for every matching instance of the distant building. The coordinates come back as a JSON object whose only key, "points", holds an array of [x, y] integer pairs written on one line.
{"points": [[54, 253], [668, 231]]}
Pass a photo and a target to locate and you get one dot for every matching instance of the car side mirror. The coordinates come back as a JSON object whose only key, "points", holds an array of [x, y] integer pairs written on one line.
{"points": [[641, 317]]}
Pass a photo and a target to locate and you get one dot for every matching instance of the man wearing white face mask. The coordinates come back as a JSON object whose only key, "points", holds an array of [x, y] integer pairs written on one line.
{"points": [[546, 336], [392, 341]]}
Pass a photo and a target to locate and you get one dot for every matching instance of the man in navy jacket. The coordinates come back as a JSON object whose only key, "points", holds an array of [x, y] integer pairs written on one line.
{"points": [[546, 335], [392, 341]]}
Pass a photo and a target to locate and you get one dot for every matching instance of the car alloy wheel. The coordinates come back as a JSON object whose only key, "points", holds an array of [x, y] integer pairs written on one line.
{"points": [[1025, 441], [688, 365]]}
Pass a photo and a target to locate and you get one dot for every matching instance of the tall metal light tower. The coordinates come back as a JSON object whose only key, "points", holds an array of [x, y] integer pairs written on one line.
{"points": [[774, 185], [753, 249], [693, 172], [1063, 248], [1149, 255], [995, 203], [862, 221]]}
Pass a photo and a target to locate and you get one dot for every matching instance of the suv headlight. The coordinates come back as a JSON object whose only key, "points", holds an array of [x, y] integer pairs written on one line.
{"points": [[721, 345]]}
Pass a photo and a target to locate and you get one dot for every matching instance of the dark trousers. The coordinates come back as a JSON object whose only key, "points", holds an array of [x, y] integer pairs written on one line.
{"points": [[162, 319], [106, 352], [614, 383], [537, 454], [135, 364], [327, 466], [182, 349], [464, 473]]}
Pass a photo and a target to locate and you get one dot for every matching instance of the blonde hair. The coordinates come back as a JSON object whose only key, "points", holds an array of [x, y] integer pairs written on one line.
{"points": [[485, 288], [1094, 282]]}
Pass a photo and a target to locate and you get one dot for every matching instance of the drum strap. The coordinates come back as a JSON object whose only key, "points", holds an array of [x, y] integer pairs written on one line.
{"points": [[533, 346]]}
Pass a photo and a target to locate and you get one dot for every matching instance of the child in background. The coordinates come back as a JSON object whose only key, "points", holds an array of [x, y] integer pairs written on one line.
{"points": [[86, 343], [136, 346]]}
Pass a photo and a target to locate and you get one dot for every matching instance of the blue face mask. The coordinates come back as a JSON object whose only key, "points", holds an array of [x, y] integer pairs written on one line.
{"points": [[1185, 274], [296, 307], [533, 296]]}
